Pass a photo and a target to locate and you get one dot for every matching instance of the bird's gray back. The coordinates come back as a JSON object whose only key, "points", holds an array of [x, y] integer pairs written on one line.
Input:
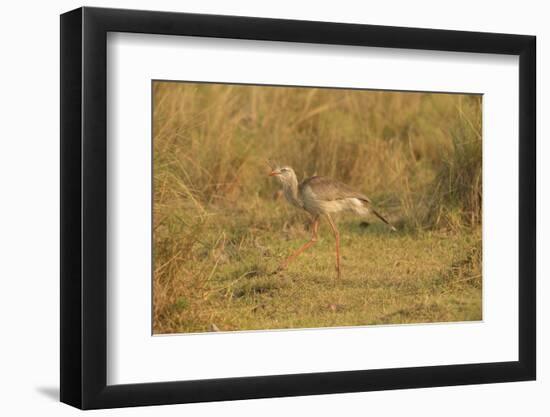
{"points": [[322, 195], [327, 189]]}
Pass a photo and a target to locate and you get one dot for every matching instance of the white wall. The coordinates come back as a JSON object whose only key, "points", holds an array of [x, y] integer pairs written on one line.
{"points": [[29, 177]]}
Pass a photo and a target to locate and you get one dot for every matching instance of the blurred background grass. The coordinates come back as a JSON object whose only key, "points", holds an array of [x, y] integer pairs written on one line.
{"points": [[220, 227]]}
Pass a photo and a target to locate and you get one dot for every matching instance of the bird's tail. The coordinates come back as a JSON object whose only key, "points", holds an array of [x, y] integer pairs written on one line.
{"points": [[383, 219]]}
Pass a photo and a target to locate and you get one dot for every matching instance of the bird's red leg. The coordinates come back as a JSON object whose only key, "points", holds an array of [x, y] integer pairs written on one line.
{"points": [[314, 239], [337, 238]]}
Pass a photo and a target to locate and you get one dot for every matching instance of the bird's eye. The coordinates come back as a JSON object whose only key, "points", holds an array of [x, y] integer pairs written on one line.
{"points": [[284, 169]]}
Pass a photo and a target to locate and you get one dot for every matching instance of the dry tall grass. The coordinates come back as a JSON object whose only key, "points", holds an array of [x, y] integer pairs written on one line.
{"points": [[418, 156]]}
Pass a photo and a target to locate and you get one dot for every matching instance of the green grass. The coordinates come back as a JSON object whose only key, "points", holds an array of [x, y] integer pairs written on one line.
{"points": [[387, 277]]}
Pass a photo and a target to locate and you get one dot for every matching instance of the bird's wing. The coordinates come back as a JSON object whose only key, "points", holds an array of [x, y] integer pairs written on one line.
{"points": [[328, 189]]}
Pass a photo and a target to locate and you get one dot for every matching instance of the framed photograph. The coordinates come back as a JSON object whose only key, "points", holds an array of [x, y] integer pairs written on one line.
{"points": [[258, 208]]}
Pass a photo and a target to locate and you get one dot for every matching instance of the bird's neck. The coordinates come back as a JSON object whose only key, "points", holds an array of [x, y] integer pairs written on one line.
{"points": [[290, 190]]}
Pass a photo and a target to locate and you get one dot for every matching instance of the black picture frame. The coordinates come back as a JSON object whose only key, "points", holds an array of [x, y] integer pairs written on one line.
{"points": [[84, 207]]}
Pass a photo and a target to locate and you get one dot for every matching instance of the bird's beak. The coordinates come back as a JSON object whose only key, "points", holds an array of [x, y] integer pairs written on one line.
{"points": [[274, 173]]}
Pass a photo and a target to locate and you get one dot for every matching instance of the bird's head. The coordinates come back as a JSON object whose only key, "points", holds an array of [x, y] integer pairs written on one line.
{"points": [[284, 174]]}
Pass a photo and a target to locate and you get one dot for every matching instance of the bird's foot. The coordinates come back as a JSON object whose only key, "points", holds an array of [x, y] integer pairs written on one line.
{"points": [[279, 269]]}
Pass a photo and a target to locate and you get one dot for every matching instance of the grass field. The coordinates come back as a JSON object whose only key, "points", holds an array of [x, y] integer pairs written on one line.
{"points": [[221, 229]]}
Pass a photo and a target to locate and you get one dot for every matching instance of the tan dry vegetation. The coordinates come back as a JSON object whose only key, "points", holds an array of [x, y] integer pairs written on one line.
{"points": [[220, 230]]}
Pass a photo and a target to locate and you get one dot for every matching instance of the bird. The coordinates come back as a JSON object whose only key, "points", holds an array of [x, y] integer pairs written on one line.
{"points": [[320, 197]]}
